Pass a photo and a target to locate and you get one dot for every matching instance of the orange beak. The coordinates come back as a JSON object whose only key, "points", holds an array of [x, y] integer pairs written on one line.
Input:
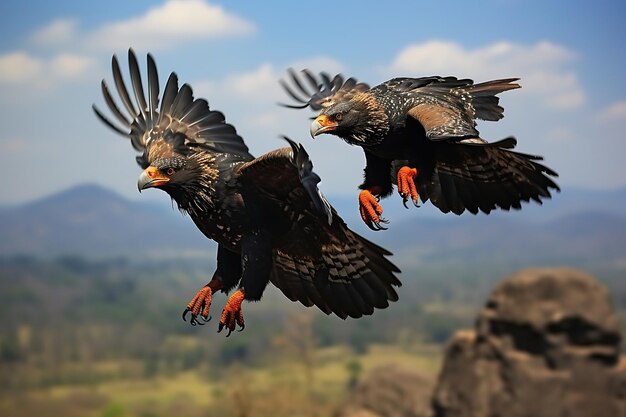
{"points": [[322, 124], [151, 177]]}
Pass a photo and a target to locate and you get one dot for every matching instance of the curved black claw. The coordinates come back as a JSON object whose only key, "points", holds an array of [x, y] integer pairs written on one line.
{"points": [[194, 319], [405, 199], [383, 220], [208, 319], [231, 330], [375, 226], [232, 324], [187, 310], [222, 327]]}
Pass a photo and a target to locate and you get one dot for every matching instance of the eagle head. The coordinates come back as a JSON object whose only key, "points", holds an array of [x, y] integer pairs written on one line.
{"points": [[186, 174], [359, 121]]}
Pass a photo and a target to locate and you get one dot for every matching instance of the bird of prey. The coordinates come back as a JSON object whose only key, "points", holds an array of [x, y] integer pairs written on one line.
{"points": [[267, 214], [420, 133]]}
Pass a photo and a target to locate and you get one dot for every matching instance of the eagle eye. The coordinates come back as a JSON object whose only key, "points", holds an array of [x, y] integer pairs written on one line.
{"points": [[338, 117], [170, 171]]}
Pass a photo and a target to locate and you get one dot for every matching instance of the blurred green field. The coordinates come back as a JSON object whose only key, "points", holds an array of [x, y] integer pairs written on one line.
{"points": [[106, 339], [284, 385]]}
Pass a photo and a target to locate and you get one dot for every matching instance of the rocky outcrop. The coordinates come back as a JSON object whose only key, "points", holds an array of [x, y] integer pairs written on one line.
{"points": [[545, 345], [390, 391]]}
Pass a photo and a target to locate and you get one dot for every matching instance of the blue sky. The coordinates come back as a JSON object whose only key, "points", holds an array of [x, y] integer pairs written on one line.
{"points": [[569, 54]]}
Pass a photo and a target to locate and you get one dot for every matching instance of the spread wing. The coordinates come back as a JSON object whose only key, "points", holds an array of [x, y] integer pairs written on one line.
{"points": [[471, 176], [144, 121], [320, 261], [447, 107], [320, 92]]}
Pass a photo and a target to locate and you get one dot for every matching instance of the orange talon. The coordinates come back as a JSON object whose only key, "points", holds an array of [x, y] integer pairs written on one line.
{"points": [[232, 315], [370, 210], [199, 305], [208, 297], [201, 302], [406, 185]]}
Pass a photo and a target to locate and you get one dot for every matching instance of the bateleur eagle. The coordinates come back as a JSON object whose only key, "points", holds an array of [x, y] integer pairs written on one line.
{"points": [[267, 214], [420, 133]]}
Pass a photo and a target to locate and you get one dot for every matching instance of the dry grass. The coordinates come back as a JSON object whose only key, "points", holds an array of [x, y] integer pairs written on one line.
{"points": [[280, 388]]}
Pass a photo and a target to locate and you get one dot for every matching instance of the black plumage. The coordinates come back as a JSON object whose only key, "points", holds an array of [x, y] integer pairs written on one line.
{"points": [[420, 133], [267, 214]]}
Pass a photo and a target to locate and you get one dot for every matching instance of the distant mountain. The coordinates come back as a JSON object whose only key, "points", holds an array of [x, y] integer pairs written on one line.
{"points": [[575, 239], [92, 221], [574, 227]]}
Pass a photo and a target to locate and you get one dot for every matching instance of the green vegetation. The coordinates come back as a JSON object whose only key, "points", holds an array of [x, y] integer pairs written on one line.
{"points": [[105, 339]]}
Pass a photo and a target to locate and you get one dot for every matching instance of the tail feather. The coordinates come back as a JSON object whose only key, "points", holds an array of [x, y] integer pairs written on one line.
{"points": [[485, 100], [349, 281]]}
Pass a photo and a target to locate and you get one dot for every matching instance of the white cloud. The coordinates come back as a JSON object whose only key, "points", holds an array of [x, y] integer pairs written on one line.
{"points": [[543, 67], [255, 93], [60, 31], [261, 84], [169, 24], [70, 53], [70, 65], [614, 113], [20, 66]]}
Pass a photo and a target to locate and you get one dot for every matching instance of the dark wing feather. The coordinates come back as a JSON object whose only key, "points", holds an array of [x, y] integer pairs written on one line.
{"points": [[471, 176], [135, 78], [320, 261], [179, 113], [321, 92], [153, 86], [121, 88], [169, 94], [113, 106], [448, 107]]}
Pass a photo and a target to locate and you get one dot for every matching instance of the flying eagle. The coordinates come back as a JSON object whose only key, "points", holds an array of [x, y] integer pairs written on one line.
{"points": [[420, 133], [267, 214]]}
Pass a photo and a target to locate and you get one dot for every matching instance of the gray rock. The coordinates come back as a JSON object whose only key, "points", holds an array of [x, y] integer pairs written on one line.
{"points": [[390, 391], [545, 345]]}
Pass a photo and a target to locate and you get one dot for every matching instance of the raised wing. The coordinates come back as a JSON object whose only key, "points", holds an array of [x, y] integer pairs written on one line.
{"points": [[447, 107], [144, 121], [319, 92], [286, 176], [320, 261], [467, 176]]}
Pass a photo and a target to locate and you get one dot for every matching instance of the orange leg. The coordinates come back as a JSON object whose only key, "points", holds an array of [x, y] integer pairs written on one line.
{"points": [[232, 315], [406, 185], [370, 210], [201, 302]]}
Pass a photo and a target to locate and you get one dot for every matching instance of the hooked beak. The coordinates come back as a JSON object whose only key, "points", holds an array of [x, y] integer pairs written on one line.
{"points": [[322, 125], [151, 177]]}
